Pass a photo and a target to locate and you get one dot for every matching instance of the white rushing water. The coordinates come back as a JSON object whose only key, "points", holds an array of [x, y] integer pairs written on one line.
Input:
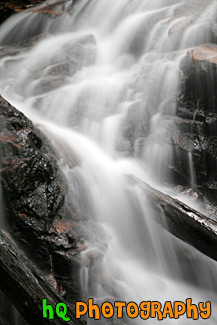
{"points": [[104, 82]]}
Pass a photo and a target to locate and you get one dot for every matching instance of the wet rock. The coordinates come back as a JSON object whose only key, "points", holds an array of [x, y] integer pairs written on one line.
{"points": [[199, 67], [8, 314], [44, 215], [61, 69], [182, 220], [35, 189], [40, 13], [214, 33], [54, 73], [186, 30], [48, 84], [30, 42], [181, 25], [194, 137], [52, 232], [7, 8], [8, 51], [57, 8]]}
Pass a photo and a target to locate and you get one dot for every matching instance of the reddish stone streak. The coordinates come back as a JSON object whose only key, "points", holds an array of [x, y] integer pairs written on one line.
{"points": [[204, 53], [53, 13], [61, 227], [9, 139], [22, 215], [49, 9]]}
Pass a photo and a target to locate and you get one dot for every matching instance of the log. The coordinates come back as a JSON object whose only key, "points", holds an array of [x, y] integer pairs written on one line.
{"points": [[182, 221], [25, 286]]}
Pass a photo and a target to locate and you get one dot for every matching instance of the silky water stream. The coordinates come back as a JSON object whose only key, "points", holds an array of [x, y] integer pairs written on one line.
{"points": [[110, 105]]}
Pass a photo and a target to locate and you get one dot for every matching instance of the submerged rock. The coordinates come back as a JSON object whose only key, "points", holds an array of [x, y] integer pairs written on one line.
{"points": [[55, 71], [134, 128]]}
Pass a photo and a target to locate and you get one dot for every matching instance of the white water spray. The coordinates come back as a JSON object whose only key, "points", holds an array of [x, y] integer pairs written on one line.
{"points": [[105, 84]]}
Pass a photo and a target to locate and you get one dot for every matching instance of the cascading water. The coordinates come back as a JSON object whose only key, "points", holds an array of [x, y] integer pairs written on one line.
{"points": [[104, 82]]}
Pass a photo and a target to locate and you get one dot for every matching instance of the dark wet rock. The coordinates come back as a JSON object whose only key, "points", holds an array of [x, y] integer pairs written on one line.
{"points": [[50, 230], [7, 8], [199, 67], [182, 220], [55, 9], [34, 187], [194, 135], [8, 314]]}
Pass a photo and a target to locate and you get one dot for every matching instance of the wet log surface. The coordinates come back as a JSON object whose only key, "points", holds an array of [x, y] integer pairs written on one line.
{"points": [[26, 287], [182, 221]]}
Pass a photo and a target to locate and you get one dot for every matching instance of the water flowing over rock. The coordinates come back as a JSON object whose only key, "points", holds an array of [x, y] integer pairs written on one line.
{"points": [[7, 8], [121, 90], [197, 109]]}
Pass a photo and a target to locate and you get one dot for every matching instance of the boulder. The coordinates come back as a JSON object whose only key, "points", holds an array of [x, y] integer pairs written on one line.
{"points": [[50, 229]]}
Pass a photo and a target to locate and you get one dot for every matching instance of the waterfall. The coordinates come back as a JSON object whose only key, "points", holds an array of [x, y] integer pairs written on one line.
{"points": [[104, 81]]}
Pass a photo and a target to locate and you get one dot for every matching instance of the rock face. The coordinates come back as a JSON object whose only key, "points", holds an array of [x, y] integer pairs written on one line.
{"points": [[195, 139], [51, 232]]}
